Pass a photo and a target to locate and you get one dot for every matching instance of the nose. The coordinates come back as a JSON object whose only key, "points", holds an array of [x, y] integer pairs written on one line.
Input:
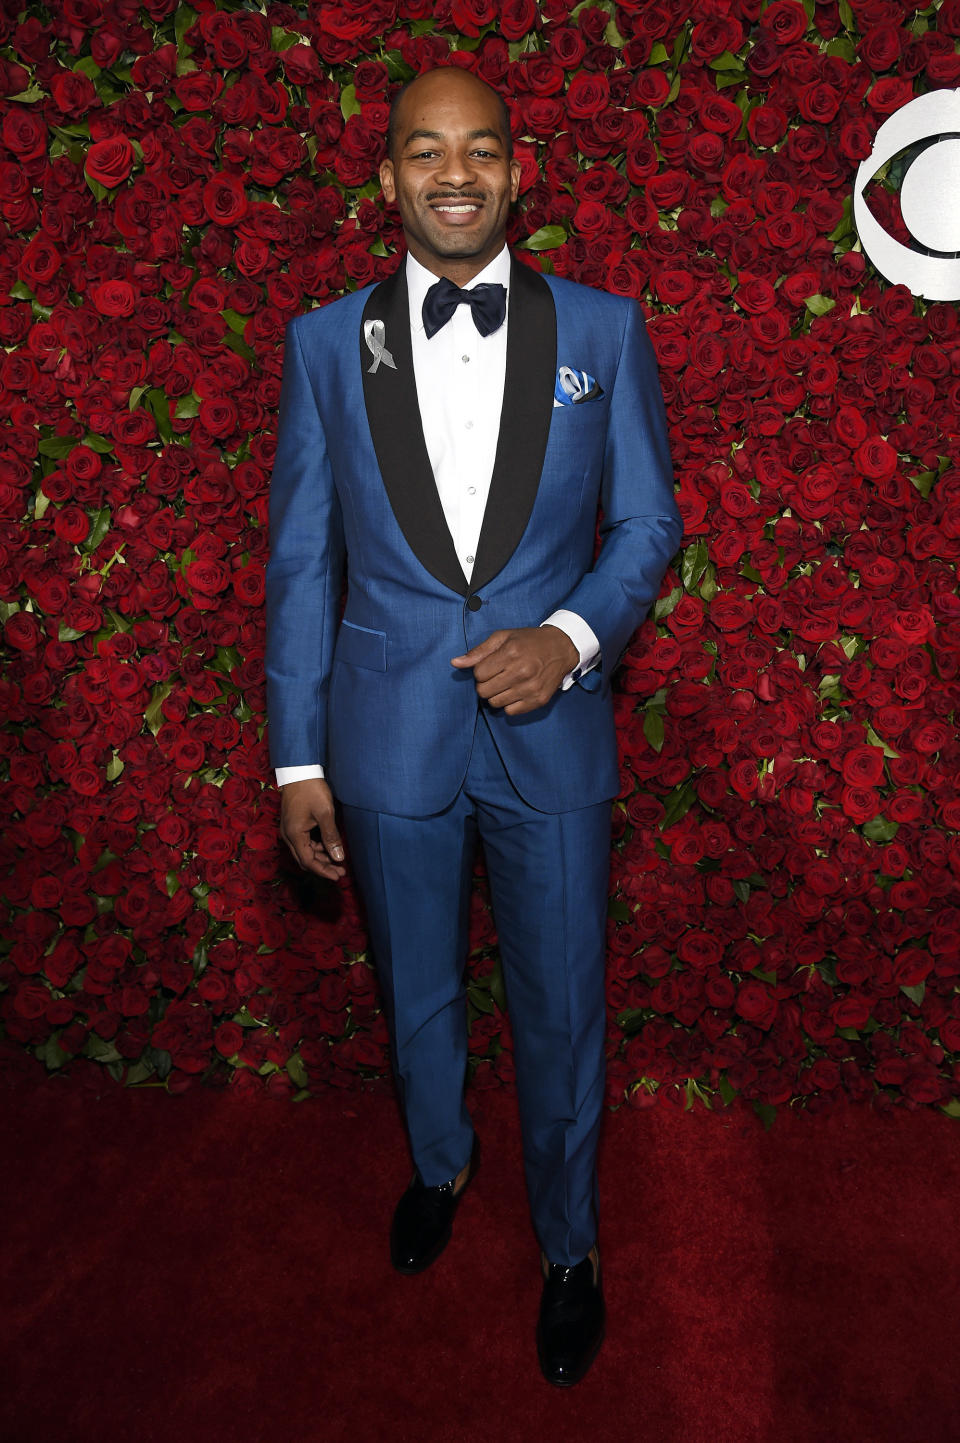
{"points": [[456, 169]]}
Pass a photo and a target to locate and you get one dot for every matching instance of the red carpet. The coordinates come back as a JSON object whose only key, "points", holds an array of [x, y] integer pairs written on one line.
{"points": [[204, 1269]]}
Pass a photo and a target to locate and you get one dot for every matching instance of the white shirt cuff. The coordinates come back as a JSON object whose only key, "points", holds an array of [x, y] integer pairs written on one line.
{"points": [[583, 638], [297, 774]]}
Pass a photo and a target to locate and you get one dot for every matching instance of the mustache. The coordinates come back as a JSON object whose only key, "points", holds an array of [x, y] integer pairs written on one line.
{"points": [[453, 197]]}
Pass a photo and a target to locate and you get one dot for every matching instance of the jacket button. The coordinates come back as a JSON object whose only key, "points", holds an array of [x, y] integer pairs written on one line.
{"points": [[474, 603]]}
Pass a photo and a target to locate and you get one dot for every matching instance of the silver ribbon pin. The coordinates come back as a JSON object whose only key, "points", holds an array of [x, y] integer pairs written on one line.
{"points": [[375, 334]]}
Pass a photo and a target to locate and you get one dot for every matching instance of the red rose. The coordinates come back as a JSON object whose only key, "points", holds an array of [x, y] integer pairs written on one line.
{"points": [[224, 199], [110, 161], [756, 1003], [587, 95], [24, 133]]}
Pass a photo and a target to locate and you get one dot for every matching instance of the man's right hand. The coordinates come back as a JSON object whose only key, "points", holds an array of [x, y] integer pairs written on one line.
{"points": [[304, 806]]}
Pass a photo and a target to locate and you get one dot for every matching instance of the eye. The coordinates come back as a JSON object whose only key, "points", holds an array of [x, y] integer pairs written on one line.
{"points": [[916, 154]]}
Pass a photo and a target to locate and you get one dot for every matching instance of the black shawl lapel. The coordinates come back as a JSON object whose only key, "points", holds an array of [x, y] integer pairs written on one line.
{"points": [[524, 420], [393, 413]]}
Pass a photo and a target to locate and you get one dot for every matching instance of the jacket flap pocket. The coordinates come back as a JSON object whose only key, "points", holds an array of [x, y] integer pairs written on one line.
{"points": [[360, 646]]}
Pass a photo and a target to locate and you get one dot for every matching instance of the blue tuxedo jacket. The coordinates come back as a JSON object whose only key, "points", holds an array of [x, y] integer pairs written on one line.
{"points": [[373, 697]]}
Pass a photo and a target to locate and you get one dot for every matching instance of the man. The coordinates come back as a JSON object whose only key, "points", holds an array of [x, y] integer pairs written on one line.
{"points": [[448, 435]]}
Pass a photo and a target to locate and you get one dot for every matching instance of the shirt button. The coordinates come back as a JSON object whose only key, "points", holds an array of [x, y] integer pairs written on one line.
{"points": [[464, 359], [470, 560], [469, 425], [471, 490]]}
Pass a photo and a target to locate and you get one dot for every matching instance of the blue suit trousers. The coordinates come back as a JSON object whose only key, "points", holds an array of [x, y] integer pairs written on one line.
{"points": [[549, 875]]}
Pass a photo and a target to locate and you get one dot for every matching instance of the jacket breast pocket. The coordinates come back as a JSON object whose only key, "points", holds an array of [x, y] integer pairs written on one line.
{"points": [[360, 646]]}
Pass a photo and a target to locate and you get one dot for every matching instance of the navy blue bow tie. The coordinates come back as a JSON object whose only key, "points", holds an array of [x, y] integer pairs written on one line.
{"points": [[487, 302]]}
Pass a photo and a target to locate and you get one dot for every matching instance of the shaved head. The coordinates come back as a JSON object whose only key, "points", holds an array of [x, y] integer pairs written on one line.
{"points": [[451, 74]]}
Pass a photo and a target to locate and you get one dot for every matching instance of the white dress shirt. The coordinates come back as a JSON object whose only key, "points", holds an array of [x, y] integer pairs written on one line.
{"points": [[460, 379]]}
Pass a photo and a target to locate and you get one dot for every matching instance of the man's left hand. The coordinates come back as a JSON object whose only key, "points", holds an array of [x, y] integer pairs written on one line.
{"points": [[520, 670]]}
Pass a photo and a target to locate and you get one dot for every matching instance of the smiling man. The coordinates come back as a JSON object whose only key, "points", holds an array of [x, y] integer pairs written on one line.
{"points": [[448, 437]]}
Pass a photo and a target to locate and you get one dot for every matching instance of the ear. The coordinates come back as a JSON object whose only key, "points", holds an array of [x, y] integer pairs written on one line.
{"points": [[388, 181], [514, 180]]}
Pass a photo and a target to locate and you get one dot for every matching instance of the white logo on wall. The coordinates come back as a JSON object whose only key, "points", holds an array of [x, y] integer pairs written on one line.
{"points": [[929, 197]]}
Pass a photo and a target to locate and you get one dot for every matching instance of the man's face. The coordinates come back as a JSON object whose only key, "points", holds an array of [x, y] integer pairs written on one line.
{"points": [[450, 176]]}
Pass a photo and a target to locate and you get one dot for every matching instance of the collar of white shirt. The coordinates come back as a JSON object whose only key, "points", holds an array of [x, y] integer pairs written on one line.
{"points": [[419, 281]]}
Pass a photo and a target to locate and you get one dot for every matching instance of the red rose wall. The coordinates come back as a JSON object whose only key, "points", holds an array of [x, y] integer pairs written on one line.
{"points": [[175, 184]]}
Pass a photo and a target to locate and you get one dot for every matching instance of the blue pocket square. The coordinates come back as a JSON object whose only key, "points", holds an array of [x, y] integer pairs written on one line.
{"points": [[572, 387]]}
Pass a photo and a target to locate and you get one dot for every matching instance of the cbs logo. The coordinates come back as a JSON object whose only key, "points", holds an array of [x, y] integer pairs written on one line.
{"points": [[929, 197]]}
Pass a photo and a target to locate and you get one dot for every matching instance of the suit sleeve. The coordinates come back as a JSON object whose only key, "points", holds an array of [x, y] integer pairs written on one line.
{"points": [[641, 526], [303, 574]]}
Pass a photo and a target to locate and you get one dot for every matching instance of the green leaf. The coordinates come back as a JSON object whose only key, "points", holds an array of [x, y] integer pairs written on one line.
{"points": [[101, 444], [184, 19], [766, 1113], [618, 910], [349, 104], [235, 321], [68, 633], [378, 248], [659, 54], [480, 998], [653, 729], [741, 890], [159, 407], [677, 805], [875, 740], [708, 586], [281, 39], [880, 829], [296, 1070], [612, 35], [114, 767], [731, 77], [238, 344], [665, 604], [924, 482], [86, 65], [397, 67], [187, 407], [153, 716], [226, 660], [631, 1019], [547, 238], [40, 503], [847, 17], [819, 305], [695, 560], [139, 1072], [172, 883], [100, 192], [951, 1108], [726, 61], [726, 1089], [100, 1050], [498, 989], [51, 1054], [99, 529], [29, 96], [20, 291], [915, 993], [57, 446]]}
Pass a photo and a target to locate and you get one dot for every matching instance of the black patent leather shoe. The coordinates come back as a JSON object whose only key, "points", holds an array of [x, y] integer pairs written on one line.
{"points": [[423, 1220], [572, 1322]]}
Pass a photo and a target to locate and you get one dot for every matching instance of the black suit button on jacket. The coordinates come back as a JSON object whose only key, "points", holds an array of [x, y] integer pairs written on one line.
{"points": [[474, 603]]}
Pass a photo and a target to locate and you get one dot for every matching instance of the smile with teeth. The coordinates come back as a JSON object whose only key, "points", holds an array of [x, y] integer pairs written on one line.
{"points": [[458, 207]]}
